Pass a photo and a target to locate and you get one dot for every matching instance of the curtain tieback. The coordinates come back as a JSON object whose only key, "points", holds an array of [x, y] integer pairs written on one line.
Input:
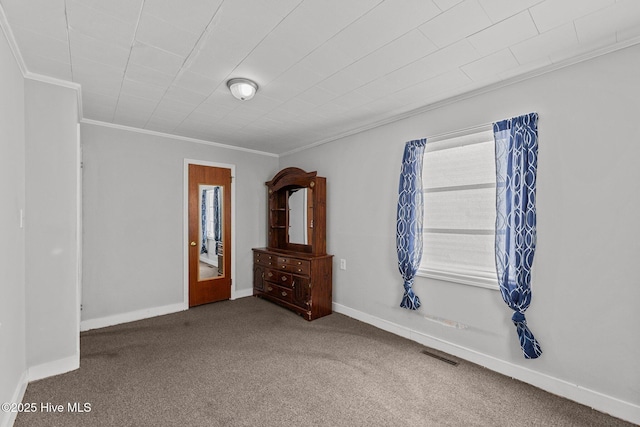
{"points": [[530, 346], [518, 317], [408, 285], [410, 300]]}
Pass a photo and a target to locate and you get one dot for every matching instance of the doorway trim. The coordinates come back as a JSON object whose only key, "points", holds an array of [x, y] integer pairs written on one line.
{"points": [[185, 224]]}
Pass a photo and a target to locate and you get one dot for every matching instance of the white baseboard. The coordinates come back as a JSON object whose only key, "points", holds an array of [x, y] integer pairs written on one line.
{"points": [[55, 367], [596, 400], [241, 293], [131, 316], [8, 418]]}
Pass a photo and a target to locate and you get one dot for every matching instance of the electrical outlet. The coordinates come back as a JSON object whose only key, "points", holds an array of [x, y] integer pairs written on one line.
{"points": [[343, 264]]}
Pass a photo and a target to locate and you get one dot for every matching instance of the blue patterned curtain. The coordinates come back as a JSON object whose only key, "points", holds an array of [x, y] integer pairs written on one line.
{"points": [[217, 224], [516, 145], [203, 217], [409, 220]]}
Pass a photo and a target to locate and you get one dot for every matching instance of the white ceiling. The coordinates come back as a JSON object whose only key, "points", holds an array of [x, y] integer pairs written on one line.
{"points": [[325, 67]]}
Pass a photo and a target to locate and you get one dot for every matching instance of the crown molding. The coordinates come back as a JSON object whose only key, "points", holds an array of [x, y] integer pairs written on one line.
{"points": [[474, 92], [59, 82], [13, 45], [52, 80], [172, 136]]}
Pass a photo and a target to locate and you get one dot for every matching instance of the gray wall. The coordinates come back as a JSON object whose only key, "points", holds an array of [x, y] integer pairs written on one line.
{"points": [[133, 217], [12, 242], [585, 281], [52, 217]]}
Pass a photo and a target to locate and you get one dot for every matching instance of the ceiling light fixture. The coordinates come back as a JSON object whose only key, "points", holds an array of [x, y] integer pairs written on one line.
{"points": [[242, 89]]}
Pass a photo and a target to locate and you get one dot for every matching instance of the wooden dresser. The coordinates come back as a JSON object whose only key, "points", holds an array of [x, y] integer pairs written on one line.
{"points": [[294, 270], [299, 282]]}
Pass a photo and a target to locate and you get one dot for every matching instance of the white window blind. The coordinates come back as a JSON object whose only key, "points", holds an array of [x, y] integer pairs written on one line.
{"points": [[459, 209]]}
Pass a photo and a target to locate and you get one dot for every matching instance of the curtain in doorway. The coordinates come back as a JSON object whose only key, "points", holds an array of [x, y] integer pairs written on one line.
{"points": [[203, 218], [409, 219], [516, 149], [217, 223]]}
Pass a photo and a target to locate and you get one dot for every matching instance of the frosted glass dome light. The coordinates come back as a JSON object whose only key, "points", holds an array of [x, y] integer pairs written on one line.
{"points": [[242, 89]]}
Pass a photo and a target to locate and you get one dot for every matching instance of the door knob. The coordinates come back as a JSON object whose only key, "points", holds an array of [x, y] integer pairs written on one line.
{"points": [[193, 243]]}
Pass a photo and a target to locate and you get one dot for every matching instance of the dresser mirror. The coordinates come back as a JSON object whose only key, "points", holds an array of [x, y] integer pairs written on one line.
{"points": [[300, 212]]}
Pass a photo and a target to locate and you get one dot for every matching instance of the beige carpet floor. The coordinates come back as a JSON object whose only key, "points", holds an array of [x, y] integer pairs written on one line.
{"points": [[251, 363]]}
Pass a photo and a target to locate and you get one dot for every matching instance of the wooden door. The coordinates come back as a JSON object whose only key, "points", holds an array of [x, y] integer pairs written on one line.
{"points": [[209, 234]]}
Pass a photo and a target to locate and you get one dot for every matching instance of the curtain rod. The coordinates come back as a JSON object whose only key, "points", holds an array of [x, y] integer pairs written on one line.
{"points": [[460, 132], [467, 131]]}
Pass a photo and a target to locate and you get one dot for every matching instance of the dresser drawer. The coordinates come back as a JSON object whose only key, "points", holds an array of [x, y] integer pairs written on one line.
{"points": [[279, 292], [294, 265], [265, 259], [279, 278]]}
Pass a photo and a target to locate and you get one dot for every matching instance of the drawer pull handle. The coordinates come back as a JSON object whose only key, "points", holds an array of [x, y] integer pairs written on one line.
{"points": [[284, 266], [284, 278], [284, 294], [270, 274], [269, 288]]}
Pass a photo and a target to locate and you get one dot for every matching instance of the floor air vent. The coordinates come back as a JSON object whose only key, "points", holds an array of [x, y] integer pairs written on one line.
{"points": [[444, 359]]}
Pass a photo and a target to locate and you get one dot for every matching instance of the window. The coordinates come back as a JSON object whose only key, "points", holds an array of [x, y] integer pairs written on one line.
{"points": [[459, 184]]}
